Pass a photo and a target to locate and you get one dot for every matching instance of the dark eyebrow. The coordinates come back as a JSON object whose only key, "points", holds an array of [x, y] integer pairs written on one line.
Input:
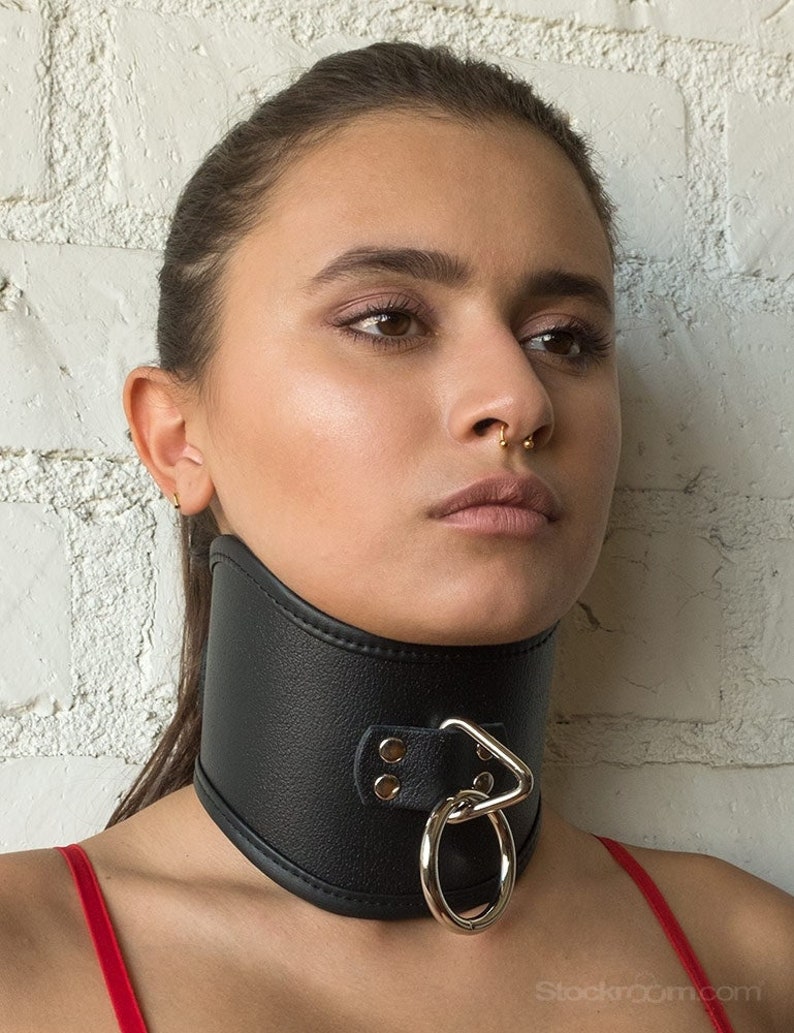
{"points": [[437, 266], [449, 271], [557, 283]]}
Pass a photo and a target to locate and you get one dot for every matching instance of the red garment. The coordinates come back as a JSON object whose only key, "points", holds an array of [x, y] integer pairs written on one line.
{"points": [[129, 1015], [122, 996], [674, 933]]}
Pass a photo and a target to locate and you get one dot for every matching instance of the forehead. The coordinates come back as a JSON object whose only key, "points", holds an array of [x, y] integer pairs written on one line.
{"points": [[498, 192]]}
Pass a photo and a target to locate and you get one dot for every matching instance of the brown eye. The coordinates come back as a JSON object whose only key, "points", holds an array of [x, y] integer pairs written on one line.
{"points": [[393, 324], [557, 342], [383, 323]]}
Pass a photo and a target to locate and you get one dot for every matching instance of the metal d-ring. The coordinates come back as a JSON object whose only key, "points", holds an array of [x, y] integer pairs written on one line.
{"points": [[525, 780], [428, 863]]}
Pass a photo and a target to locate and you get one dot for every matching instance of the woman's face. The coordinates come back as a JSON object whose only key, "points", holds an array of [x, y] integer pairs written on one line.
{"points": [[414, 285]]}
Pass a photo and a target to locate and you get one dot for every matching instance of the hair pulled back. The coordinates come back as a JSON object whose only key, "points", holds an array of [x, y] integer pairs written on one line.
{"points": [[227, 195]]}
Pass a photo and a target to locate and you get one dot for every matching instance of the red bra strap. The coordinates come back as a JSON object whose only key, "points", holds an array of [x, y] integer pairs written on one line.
{"points": [[106, 945], [675, 934]]}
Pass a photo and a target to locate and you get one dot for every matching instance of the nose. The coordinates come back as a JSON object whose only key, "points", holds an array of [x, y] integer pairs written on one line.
{"points": [[497, 395]]}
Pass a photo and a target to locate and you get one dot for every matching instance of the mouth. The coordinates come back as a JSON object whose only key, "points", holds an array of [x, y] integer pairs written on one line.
{"points": [[501, 505]]}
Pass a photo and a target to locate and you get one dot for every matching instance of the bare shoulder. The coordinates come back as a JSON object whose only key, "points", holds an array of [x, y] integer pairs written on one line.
{"points": [[741, 927], [32, 899], [42, 939]]}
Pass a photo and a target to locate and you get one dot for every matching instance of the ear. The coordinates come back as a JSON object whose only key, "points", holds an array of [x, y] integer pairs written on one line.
{"points": [[161, 414]]}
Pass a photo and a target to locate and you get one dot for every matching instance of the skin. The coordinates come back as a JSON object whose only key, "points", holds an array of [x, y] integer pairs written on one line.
{"points": [[325, 453]]}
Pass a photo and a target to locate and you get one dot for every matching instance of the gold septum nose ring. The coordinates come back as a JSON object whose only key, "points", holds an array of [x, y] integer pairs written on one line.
{"points": [[528, 442]]}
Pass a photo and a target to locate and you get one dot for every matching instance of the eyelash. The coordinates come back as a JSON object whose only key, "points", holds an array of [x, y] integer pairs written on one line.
{"points": [[593, 343], [398, 305]]}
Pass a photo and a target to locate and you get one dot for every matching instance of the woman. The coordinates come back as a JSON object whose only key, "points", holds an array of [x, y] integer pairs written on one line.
{"points": [[388, 383]]}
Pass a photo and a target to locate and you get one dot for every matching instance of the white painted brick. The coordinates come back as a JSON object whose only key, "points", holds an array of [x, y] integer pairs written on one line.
{"points": [[646, 640], [34, 628], [52, 801], [761, 22], [778, 622], [22, 161], [714, 392], [73, 321], [158, 659], [761, 195], [181, 83], [777, 25], [637, 126], [742, 815]]}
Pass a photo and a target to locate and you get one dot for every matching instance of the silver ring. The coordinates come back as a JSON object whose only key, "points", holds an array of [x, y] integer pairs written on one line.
{"points": [[428, 864]]}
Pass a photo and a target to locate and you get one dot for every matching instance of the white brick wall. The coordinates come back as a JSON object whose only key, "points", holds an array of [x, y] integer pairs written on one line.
{"points": [[710, 389], [57, 800], [673, 717], [34, 629], [71, 320], [722, 811], [767, 24], [653, 588], [22, 156], [761, 199]]}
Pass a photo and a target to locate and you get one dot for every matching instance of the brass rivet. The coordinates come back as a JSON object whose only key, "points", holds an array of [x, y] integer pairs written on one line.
{"points": [[392, 750], [482, 753], [387, 787], [483, 782]]}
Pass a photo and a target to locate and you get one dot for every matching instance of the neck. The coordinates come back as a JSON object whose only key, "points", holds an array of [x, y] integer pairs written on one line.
{"points": [[293, 766]]}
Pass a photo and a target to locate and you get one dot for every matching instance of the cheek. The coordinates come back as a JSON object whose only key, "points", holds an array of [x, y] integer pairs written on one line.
{"points": [[591, 403], [300, 442]]}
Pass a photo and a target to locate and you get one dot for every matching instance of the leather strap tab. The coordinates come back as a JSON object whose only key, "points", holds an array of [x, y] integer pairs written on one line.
{"points": [[436, 764]]}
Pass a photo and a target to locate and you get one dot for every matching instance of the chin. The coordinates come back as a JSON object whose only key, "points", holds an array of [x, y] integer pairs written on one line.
{"points": [[492, 612], [481, 629]]}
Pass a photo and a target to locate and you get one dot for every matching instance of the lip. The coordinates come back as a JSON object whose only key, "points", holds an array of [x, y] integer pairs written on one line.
{"points": [[501, 505]]}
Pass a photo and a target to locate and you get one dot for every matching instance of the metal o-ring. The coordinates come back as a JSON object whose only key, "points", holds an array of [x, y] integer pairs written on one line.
{"points": [[428, 865]]}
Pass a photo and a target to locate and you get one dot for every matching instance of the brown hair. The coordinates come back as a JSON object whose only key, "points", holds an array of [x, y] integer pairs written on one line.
{"points": [[226, 196]]}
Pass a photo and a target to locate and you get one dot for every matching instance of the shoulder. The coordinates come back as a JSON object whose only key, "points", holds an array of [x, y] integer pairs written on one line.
{"points": [[741, 928], [33, 884], [34, 887], [41, 935]]}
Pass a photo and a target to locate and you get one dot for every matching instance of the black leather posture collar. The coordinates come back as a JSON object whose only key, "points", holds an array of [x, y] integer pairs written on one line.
{"points": [[295, 707]]}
